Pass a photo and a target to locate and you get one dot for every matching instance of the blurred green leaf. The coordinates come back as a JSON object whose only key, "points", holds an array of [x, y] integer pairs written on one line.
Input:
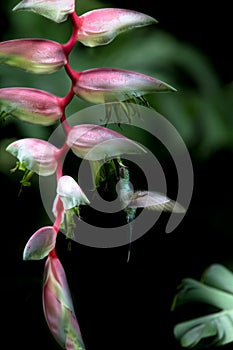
{"points": [[191, 290], [216, 289], [218, 276], [217, 327]]}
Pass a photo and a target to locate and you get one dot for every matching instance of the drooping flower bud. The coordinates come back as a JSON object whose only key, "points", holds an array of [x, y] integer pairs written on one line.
{"points": [[58, 306], [30, 105], [101, 85], [71, 196], [95, 142], [40, 244], [71, 193], [36, 155], [56, 10], [33, 55], [101, 26]]}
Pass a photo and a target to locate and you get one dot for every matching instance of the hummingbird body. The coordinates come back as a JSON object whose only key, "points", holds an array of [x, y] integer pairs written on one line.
{"points": [[126, 193], [131, 200]]}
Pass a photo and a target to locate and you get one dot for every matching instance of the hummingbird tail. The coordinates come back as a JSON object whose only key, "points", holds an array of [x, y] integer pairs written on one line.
{"points": [[130, 240]]}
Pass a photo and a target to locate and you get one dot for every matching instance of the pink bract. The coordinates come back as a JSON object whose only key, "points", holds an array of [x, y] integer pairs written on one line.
{"points": [[100, 85], [33, 55], [101, 26], [56, 10], [40, 244], [71, 193], [58, 306], [36, 155], [95, 142], [31, 105]]}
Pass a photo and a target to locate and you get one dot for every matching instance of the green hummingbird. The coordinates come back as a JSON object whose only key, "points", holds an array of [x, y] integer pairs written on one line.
{"points": [[132, 200]]}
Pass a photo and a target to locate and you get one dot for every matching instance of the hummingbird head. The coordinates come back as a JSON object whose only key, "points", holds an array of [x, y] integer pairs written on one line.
{"points": [[123, 171]]}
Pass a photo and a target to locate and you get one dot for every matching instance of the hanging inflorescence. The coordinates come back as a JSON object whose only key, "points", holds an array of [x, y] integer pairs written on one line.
{"points": [[86, 141]]}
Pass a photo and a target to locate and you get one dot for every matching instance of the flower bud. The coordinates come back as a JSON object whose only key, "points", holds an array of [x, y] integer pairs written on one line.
{"points": [[94, 142], [30, 105], [101, 85], [71, 193], [101, 26], [58, 306], [40, 244], [56, 10], [33, 55], [71, 197], [36, 155]]}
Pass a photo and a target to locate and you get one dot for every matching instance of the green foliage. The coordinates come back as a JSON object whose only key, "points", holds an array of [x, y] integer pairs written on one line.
{"points": [[215, 289]]}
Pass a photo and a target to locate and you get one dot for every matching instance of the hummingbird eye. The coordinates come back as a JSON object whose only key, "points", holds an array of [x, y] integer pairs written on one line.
{"points": [[123, 171]]}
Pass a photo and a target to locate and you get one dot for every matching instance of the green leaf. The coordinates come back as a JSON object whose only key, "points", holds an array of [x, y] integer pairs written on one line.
{"points": [[191, 290], [220, 277], [215, 288], [218, 325]]}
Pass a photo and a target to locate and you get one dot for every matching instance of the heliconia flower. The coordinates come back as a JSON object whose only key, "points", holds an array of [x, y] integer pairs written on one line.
{"points": [[56, 10], [101, 26], [71, 193], [58, 306], [36, 155], [30, 105], [41, 243], [95, 142], [71, 196], [33, 55], [100, 85]]}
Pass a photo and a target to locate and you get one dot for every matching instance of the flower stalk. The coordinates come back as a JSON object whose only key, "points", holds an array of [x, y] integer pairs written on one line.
{"points": [[94, 143]]}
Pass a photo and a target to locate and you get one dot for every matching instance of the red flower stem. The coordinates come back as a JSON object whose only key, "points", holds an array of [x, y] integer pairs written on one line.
{"points": [[58, 220], [64, 101], [53, 254], [66, 127], [67, 99], [60, 156], [59, 205], [64, 149], [75, 20], [71, 73], [59, 172], [68, 47]]}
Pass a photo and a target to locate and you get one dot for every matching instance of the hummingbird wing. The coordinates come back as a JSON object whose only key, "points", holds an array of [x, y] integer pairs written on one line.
{"points": [[155, 201]]}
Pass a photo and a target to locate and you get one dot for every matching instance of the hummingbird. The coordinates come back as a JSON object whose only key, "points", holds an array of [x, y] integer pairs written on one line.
{"points": [[132, 200]]}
